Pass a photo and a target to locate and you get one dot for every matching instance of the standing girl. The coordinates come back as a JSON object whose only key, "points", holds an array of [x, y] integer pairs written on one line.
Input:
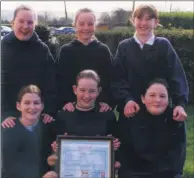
{"points": [[26, 60], [84, 52], [142, 58]]}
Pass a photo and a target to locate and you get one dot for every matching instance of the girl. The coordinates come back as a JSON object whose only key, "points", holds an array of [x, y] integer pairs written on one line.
{"points": [[26, 60], [86, 120], [142, 58], [84, 52], [154, 142], [25, 147]]}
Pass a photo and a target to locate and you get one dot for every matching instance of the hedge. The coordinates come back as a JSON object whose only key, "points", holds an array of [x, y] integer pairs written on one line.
{"points": [[177, 19], [182, 41]]}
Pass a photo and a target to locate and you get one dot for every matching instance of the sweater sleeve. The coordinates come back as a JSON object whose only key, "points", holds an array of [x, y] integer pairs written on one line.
{"points": [[105, 76], [5, 107], [176, 155], [12, 166], [120, 86], [64, 78], [50, 84], [177, 81]]}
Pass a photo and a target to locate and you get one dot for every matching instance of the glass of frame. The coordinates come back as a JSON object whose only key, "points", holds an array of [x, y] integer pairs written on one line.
{"points": [[85, 157]]}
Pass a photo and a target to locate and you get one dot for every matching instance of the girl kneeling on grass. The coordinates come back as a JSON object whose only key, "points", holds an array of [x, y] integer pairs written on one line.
{"points": [[155, 144], [25, 147]]}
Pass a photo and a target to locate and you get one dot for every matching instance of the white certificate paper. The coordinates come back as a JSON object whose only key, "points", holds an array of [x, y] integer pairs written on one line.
{"points": [[85, 159]]}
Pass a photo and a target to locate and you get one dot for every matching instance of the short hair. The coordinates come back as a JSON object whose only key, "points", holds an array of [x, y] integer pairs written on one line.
{"points": [[156, 81], [29, 89], [23, 7], [91, 74], [143, 9]]}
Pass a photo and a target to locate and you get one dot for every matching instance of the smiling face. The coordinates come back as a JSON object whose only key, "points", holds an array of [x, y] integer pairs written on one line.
{"points": [[156, 99], [145, 25], [30, 107], [85, 26], [87, 91], [24, 24]]}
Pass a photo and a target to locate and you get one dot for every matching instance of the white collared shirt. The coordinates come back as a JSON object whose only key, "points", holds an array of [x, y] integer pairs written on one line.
{"points": [[149, 42]]}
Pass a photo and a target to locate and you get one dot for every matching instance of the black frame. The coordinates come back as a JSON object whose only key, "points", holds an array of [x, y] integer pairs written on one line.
{"points": [[86, 138]]}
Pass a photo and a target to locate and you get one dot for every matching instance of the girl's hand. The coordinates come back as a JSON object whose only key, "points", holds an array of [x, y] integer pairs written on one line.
{"points": [[54, 145], [104, 107], [47, 118], [52, 160], [131, 108], [179, 114], [69, 107], [116, 143], [117, 165], [50, 174], [8, 122]]}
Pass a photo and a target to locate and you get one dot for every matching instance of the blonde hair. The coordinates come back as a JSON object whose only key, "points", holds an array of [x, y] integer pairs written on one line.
{"points": [[84, 10], [91, 74]]}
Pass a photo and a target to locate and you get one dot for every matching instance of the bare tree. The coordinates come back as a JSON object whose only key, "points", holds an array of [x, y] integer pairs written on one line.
{"points": [[65, 7], [133, 7], [119, 17], [104, 18]]}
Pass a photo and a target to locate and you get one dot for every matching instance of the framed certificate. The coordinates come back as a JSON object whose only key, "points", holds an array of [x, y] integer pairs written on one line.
{"points": [[85, 157]]}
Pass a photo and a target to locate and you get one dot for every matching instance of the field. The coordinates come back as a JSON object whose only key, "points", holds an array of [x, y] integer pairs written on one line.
{"points": [[189, 166]]}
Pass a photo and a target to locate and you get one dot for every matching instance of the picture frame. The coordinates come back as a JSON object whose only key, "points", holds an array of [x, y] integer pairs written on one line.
{"points": [[85, 157]]}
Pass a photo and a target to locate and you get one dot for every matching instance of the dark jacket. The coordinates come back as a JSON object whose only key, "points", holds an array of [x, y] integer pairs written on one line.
{"points": [[24, 63], [135, 67], [24, 153], [152, 144], [75, 57], [86, 123]]}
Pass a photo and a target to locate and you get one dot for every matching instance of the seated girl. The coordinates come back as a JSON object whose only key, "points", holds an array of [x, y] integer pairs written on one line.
{"points": [[25, 147], [86, 120], [153, 142]]}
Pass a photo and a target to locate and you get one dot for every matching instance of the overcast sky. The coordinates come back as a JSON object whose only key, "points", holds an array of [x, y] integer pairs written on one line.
{"points": [[96, 6]]}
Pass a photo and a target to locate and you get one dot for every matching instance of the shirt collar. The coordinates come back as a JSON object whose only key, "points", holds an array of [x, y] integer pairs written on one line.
{"points": [[149, 42]]}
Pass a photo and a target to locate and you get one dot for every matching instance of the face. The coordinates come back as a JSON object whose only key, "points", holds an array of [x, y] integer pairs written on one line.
{"points": [[85, 26], [86, 91], [145, 26], [24, 25], [30, 106], [156, 99]]}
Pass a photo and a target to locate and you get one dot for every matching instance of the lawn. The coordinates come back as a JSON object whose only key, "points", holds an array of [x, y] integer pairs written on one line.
{"points": [[189, 166]]}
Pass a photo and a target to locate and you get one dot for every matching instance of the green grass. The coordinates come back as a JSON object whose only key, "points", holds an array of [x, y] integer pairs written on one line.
{"points": [[189, 165]]}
